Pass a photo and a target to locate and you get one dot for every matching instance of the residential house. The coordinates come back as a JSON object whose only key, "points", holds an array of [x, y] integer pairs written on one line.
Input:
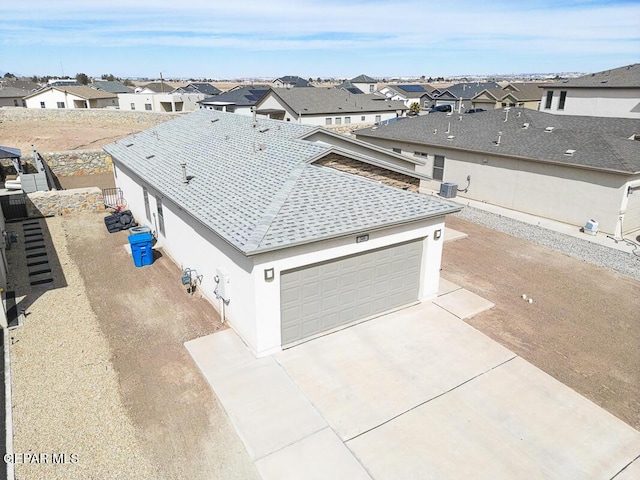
{"points": [[240, 99], [460, 95], [409, 94], [611, 93], [155, 87], [286, 249], [199, 87], [290, 81], [71, 97], [566, 168], [111, 86], [12, 97], [327, 106], [349, 87], [160, 102], [526, 95], [365, 84]]}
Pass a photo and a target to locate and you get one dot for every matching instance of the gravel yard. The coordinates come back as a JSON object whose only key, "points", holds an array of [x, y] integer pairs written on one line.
{"points": [[100, 370]]}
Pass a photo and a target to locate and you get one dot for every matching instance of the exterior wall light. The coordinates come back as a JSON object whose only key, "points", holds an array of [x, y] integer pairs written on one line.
{"points": [[268, 274], [437, 234]]}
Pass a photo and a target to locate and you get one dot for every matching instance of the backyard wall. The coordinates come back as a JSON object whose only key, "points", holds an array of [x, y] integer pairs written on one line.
{"points": [[65, 164], [64, 202]]}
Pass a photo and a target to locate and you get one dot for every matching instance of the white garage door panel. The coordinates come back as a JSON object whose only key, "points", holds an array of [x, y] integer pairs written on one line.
{"points": [[323, 296]]}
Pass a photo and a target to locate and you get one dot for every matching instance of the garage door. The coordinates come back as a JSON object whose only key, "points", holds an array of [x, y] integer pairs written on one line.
{"points": [[631, 220], [319, 297]]}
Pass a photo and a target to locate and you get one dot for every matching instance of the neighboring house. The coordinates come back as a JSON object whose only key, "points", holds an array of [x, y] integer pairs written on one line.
{"points": [[327, 106], [612, 93], [239, 99], [409, 94], [365, 83], [347, 86], [160, 102], [199, 87], [460, 95], [27, 85], [567, 168], [12, 97], [290, 81], [525, 95], [286, 249], [155, 87], [71, 97], [61, 82], [113, 87]]}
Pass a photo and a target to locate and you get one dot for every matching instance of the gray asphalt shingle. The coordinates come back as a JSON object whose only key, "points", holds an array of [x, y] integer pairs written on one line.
{"points": [[255, 186], [622, 77]]}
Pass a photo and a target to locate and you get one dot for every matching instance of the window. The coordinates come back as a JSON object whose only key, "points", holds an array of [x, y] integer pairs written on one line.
{"points": [[327, 121], [60, 104], [363, 118], [426, 104], [15, 102], [549, 98], [41, 104], [378, 118], [347, 120], [160, 215], [133, 106], [147, 106], [147, 210], [372, 88], [397, 150], [438, 167], [420, 154], [338, 120], [563, 99]]}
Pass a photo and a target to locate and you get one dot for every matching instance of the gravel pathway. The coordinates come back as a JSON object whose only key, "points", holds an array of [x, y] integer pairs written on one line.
{"points": [[65, 389], [619, 261]]}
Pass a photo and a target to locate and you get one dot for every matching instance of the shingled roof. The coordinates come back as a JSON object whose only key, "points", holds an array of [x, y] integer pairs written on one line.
{"points": [[622, 77], [243, 96], [81, 91], [254, 184], [600, 143]]}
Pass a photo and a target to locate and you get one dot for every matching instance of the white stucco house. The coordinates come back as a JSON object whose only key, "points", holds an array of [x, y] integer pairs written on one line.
{"points": [[287, 249], [327, 106], [160, 102], [611, 93], [567, 168], [365, 83], [239, 100], [408, 94], [71, 97]]}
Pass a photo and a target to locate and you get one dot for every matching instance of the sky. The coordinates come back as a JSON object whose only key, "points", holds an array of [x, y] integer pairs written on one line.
{"points": [[316, 38]]}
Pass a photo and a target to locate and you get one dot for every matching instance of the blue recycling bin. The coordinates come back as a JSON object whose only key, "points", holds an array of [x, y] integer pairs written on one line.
{"points": [[141, 249]]}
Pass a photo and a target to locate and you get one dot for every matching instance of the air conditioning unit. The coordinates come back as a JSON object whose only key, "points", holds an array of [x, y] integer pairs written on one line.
{"points": [[448, 190], [591, 227]]}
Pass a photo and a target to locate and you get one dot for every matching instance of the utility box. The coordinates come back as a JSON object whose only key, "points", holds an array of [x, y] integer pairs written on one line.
{"points": [[448, 190], [141, 249], [591, 227]]}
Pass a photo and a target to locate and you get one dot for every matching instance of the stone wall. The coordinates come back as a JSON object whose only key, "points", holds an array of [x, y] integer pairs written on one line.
{"points": [[82, 116], [78, 162], [64, 202], [387, 177]]}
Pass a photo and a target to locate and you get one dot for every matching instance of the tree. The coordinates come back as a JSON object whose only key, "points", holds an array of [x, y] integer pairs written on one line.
{"points": [[128, 82], [9, 75], [414, 108], [108, 77], [82, 78]]}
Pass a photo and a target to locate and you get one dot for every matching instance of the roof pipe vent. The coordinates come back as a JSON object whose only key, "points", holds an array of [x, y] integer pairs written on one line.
{"points": [[185, 180], [498, 140]]}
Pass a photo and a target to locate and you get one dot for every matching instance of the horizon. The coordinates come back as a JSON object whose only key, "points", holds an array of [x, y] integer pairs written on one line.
{"points": [[329, 39]]}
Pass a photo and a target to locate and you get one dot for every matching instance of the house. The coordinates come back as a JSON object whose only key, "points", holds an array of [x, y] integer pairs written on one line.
{"points": [[327, 106], [111, 86], [160, 102], [155, 87], [611, 93], [409, 94], [526, 95], [12, 97], [349, 87], [365, 84], [240, 99], [566, 168], [71, 97], [290, 81], [460, 95], [199, 87], [286, 249]]}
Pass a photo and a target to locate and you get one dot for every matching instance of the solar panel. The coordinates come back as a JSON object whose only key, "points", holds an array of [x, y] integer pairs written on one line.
{"points": [[412, 88]]}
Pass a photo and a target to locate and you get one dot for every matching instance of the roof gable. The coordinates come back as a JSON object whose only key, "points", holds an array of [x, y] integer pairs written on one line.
{"points": [[363, 79]]}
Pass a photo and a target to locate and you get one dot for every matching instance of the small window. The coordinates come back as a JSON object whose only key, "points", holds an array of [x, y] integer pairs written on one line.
{"points": [[147, 210], [338, 121], [378, 118], [347, 120], [420, 154], [563, 99], [327, 121], [160, 215], [363, 118], [60, 104], [438, 167], [397, 150], [549, 99], [372, 88], [147, 106], [41, 104], [426, 104], [15, 102], [133, 106]]}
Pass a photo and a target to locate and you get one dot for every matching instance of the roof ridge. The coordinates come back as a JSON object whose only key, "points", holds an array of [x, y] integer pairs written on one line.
{"points": [[271, 212]]}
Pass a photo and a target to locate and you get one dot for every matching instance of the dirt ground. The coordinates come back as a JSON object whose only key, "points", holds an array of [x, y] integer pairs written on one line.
{"points": [[582, 327], [100, 180]]}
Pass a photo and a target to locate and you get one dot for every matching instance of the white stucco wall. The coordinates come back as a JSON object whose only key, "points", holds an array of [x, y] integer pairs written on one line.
{"points": [[52, 97], [366, 87], [595, 102], [566, 194], [178, 102]]}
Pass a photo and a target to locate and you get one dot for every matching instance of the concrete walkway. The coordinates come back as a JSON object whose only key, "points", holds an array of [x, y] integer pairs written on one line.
{"points": [[414, 394]]}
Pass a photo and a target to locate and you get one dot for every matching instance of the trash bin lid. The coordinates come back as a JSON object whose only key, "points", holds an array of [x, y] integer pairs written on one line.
{"points": [[140, 238]]}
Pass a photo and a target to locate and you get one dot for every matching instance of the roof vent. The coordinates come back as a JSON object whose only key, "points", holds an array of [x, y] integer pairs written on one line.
{"points": [[497, 142], [184, 173], [525, 125], [149, 156], [263, 129], [214, 120], [549, 129], [129, 145], [451, 137], [569, 153]]}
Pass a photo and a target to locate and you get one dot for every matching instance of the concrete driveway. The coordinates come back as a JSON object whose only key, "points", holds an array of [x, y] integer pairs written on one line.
{"points": [[414, 394]]}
